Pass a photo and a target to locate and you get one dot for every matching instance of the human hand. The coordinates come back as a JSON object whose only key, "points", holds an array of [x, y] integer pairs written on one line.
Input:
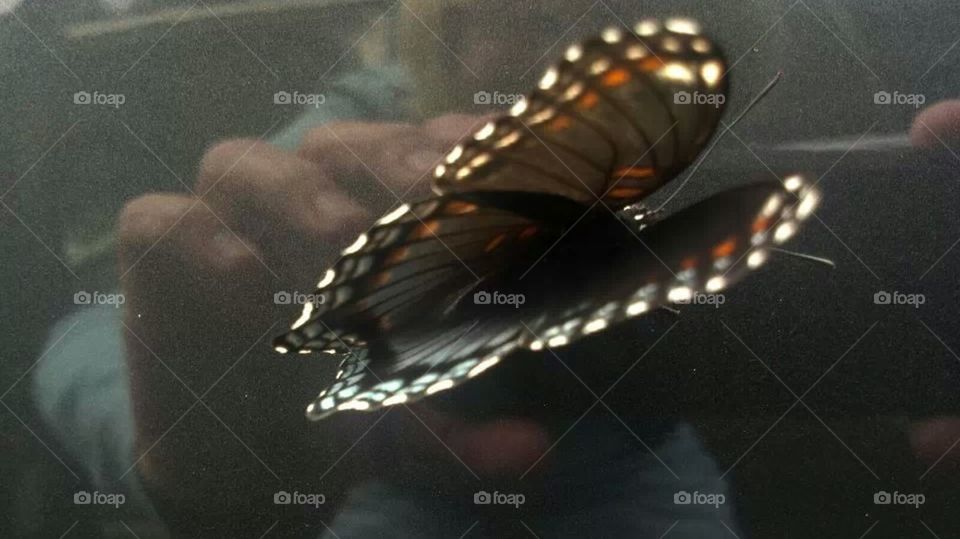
{"points": [[199, 272]]}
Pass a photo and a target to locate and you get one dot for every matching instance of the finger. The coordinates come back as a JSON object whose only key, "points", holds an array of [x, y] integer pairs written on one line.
{"points": [[377, 162], [255, 184], [938, 124], [159, 225], [287, 206], [451, 128]]}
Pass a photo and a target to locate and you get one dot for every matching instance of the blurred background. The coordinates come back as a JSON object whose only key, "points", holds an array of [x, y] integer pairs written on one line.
{"points": [[106, 101]]}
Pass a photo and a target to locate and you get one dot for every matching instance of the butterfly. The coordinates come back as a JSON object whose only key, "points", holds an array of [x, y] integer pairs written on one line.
{"points": [[538, 235]]}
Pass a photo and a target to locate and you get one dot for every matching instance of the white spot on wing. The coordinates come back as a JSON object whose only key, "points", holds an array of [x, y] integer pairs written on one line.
{"points": [[711, 73], [716, 284], [327, 278], [793, 183], [356, 245], [454, 154], [483, 365], [594, 326], [637, 307], [679, 293], [439, 386], [399, 398], [785, 231], [756, 258], [612, 35], [549, 79], [559, 340], [683, 26], [304, 316], [677, 71], [647, 27], [485, 132]]}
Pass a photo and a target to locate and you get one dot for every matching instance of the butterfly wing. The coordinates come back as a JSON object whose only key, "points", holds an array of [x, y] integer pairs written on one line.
{"points": [[618, 117], [578, 288], [418, 260], [702, 249]]}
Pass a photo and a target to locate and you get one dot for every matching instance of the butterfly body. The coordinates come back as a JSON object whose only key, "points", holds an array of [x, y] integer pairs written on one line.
{"points": [[537, 236]]}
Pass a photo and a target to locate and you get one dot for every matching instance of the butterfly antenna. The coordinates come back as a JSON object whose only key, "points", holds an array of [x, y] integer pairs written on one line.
{"points": [[703, 157], [766, 90], [753, 102], [670, 309], [803, 256]]}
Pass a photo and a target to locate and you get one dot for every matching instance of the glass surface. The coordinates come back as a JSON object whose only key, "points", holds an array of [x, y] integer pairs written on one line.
{"points": [[176, 177]]}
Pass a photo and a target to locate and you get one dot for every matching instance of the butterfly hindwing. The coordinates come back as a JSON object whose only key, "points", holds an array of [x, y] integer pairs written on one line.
{"points": [[576, 291]]}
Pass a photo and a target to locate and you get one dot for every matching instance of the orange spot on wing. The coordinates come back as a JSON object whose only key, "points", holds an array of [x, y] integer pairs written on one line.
{"points": [[559, 123], [616, 77], [528, 232], [650, 63], [626, 192], [396, 256], [633, 172], [761, 224], [725, 249], [425, 230], [381, 278], [588, 100], [688, 262], [458, 207], [495, 242]]}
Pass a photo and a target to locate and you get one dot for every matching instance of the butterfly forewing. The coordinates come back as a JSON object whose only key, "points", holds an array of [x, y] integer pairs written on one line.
{"points": [[416, 262], [616, 118]]}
